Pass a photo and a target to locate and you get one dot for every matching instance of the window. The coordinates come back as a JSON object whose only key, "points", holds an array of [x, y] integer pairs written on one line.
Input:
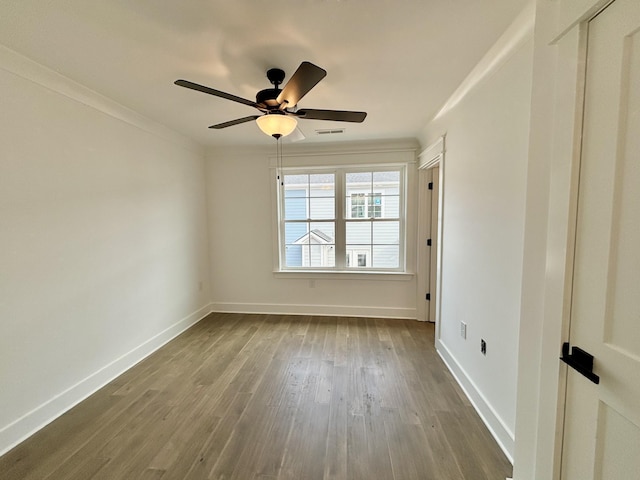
{"points": [[309, 220], [342, 219]]}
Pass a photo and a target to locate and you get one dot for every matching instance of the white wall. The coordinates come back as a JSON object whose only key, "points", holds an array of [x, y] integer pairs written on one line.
{"points": [[485, 167], [103, 243], [534, 265], [242, 254]]}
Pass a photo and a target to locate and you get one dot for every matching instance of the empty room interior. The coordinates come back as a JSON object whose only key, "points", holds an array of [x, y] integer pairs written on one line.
{"points": [[324, 239]]}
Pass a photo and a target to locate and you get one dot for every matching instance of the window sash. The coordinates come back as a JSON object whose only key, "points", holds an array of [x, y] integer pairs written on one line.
{"points": [[343, 207]]}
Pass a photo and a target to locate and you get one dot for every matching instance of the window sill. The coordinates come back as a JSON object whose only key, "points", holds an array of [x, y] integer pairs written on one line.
{"points": [[343, 275]]}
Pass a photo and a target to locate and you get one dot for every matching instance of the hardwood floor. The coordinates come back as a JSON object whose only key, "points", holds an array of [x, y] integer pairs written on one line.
{"points": [[271, 397]]}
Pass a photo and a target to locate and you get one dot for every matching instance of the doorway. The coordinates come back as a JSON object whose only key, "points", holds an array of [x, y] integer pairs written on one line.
{"points": [[430, 191]]}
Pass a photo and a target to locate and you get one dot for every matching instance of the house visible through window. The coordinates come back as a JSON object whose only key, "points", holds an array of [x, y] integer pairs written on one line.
{"points": [[366, 205], [365, 230]]}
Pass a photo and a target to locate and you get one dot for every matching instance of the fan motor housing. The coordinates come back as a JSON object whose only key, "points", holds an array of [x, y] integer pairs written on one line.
{"points": [[268, 97], [275, 76]]}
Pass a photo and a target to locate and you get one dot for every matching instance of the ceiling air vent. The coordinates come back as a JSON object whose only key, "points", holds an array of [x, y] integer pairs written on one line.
{"points": [[330, 131]]}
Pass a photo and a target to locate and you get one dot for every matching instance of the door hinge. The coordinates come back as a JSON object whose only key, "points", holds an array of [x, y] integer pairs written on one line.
{"points": [[579, 360], [428, 242], [430, 185], [428, 296]]}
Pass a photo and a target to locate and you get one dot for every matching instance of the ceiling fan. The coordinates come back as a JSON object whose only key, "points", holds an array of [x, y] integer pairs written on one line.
{"points": [[279, 106]]}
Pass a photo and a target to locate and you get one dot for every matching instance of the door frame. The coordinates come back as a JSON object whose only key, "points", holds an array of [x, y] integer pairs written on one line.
{"points": [[430, 157]]}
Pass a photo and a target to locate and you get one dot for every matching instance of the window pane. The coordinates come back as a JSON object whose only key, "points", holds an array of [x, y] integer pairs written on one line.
{"points": [[389, 189], [385, 256], [295, 192], [356, 205], [358, 233], [322, 185], [386, 233], [358, 256], [324, 231], [318, 191], [293, 255], [359, 179], [294, 232], [322, 208], [358, 186], [294, 184], [310, 244], [374, 205], [391, 206], [330, 256], [321, 256], [295, 208], [386, 178]]}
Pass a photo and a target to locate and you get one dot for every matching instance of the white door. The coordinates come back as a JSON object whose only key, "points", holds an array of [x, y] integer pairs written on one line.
{"points": [[433, 257], [602, 422]]}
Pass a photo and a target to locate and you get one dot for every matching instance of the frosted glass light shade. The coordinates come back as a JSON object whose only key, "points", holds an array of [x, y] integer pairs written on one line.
{"points": [[276, 124]]}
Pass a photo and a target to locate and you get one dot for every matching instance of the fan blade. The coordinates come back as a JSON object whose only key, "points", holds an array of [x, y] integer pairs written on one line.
{"points": [[237, 121], [217, 93], [335, 115], [304, 79]]}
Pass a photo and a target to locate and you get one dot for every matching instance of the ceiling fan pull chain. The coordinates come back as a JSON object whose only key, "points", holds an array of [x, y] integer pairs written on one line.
{"points": [[280, 156], [277, 163]]}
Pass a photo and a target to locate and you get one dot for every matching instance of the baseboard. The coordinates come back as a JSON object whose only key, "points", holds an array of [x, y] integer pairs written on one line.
{"points": [[25, 426], [503, 435], [328, 310]]}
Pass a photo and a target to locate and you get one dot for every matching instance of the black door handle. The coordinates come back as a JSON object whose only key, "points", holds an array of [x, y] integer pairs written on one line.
{"points": [[580, 361]]}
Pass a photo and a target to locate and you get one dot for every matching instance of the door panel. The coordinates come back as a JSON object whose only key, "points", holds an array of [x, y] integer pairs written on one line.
{"points": [[602, 422], [617, 445], [433, 262]]}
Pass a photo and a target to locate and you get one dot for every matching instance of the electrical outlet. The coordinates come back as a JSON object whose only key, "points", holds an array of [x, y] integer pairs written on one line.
{"points": [[463, 330], [483, 346]]}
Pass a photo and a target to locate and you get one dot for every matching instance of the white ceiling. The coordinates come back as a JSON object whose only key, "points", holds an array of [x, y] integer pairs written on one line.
{"points": [[398, 60]]}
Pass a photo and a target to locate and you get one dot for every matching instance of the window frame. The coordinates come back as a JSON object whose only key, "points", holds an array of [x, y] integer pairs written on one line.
{"points": [[341, 207]]}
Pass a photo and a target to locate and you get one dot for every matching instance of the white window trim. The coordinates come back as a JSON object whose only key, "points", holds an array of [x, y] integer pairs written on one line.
{"points": [[292, 165]]}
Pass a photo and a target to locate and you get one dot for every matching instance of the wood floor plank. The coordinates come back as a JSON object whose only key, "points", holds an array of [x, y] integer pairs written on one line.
{"points": [[152, 474], [273, 452], [335, 466], [357, 456], [226, 433], [273, 397], [95, 443], [410, 456], [306, 444], [341, 353]]}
